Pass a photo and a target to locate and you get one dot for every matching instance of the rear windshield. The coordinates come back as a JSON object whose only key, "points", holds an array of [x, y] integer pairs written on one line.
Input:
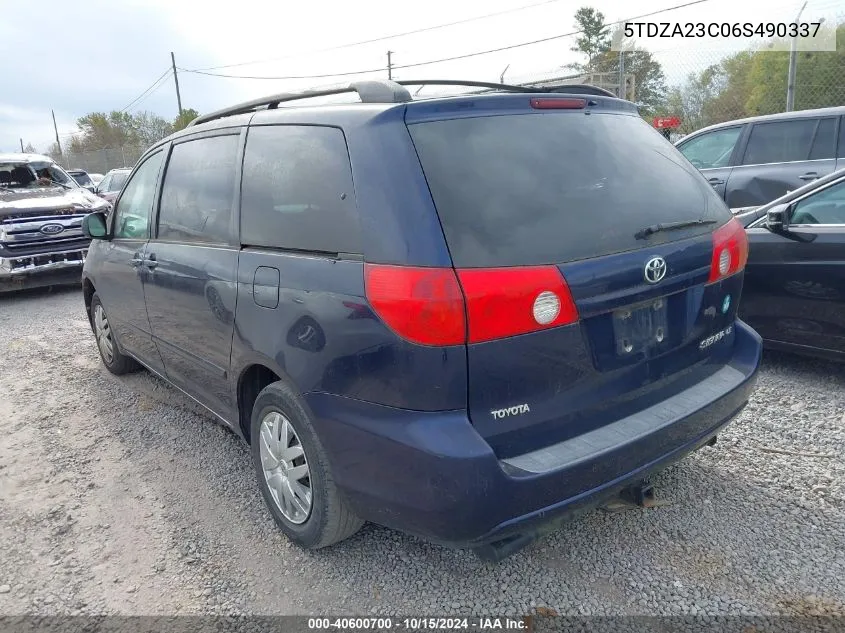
{"points": [[82, 179], [555, 187]]}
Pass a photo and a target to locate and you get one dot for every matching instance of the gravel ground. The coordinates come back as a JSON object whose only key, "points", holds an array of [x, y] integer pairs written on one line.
{"points": [[120, 496]]}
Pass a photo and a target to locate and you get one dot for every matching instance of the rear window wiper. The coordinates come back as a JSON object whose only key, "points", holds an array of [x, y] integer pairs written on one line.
{"points": [[669, 226]]}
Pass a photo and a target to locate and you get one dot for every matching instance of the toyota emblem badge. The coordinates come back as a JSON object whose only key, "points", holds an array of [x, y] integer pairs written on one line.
{"points": [[655, 270]]}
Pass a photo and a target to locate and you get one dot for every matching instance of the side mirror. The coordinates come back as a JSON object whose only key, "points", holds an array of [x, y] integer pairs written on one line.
{"points": [[94, 226], [777, 218]]}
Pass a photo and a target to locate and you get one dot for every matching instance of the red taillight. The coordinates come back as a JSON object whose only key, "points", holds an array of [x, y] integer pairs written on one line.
{"points": [[558, 104], [427, 305], [422, 305], [505, 302], [730, 250]]}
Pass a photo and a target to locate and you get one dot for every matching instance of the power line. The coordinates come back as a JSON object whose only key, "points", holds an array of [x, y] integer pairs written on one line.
{"points": [[146, 92], [453, 58], [154, 90], [383, 37], [354, 72], [542, 40], [158, 84]]}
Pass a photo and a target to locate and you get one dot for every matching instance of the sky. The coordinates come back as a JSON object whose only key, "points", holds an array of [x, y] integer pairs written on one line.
{"points": [[92, 55]]}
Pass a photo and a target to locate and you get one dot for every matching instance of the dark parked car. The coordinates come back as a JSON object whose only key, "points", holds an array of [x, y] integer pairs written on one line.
{"points": [[401, 307], [112, 183], [751, 162], [41, 212], [82, 179], [794, 292]]}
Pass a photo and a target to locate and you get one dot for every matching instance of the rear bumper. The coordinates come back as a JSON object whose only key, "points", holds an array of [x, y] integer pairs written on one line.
{"points": [[433, 475]]}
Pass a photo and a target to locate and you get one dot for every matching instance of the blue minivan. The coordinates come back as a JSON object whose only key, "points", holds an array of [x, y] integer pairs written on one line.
{"points": [[465, 317]]}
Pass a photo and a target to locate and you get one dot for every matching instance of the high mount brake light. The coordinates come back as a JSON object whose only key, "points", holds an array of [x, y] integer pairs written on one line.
{"points": [[543, 103]]}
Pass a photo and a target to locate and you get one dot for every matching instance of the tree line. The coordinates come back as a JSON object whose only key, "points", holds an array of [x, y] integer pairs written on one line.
{"points": [[115, 129]]}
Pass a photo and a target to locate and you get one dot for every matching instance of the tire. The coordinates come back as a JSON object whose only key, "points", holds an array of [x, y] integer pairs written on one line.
{"points": [[328, 519], [116, 362]]}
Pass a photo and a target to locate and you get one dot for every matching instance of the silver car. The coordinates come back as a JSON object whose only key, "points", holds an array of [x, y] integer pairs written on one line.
{"points": [[750, 162]]}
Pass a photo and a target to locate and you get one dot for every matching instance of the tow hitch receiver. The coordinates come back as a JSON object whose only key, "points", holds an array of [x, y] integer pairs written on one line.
{"points": [[640, 494]]}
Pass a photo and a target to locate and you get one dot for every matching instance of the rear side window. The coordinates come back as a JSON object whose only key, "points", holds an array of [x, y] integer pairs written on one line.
{"points": [[297, 190], [549, 188], [712, 149], [824, 143], [780, 142], [198, 191]]}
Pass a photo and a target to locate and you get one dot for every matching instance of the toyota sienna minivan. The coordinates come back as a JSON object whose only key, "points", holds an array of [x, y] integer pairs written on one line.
{"points": [[466, 317]]}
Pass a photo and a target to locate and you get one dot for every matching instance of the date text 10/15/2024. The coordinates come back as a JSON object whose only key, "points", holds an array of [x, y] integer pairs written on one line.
{"points": [[418, 624]]}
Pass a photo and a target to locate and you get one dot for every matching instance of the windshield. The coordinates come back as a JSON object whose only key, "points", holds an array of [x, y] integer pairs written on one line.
{"points": [[535, 189], [33, 175]]}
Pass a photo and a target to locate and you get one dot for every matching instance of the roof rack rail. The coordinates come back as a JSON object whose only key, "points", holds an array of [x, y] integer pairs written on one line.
{"points": [[388, 91], [582, 89], [469, 83], [370, 91], [567, 88]]}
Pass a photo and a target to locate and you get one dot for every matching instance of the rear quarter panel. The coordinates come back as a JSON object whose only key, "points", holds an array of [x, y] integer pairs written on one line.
{"points": [[324, 337]]}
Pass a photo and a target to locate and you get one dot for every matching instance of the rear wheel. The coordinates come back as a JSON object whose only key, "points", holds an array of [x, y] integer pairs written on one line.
{"points": [[293, 472], [114, 361]]}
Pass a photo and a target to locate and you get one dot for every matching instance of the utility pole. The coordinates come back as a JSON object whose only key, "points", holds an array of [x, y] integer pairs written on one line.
{"points": [[623, 93], [793, 57], [21, 146], [176, 79], [389, 65], [56, 130]]}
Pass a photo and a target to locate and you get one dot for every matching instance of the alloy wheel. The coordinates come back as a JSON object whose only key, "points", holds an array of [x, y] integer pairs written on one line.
{"points": [[285, 467]]}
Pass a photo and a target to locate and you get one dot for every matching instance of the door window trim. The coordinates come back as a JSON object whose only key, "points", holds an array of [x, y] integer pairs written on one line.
{"points": [[156, 194], [234, 215], [786, 162]]}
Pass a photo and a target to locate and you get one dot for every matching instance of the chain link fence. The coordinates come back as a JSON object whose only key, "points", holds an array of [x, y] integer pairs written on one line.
{"points": [[705, 88], [99, 161]]}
